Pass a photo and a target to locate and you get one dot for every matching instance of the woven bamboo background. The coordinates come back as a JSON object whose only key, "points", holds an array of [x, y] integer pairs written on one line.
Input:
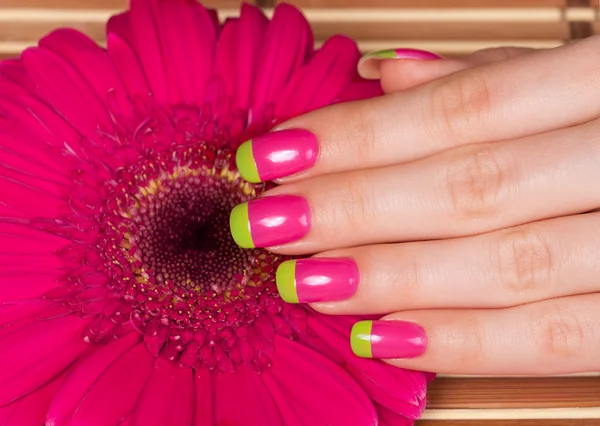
{"points": [[445, 26]]}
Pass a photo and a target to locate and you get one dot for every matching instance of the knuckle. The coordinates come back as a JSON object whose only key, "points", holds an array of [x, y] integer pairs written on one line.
{"points": [[354, 204], [475, 179], [558, 332], [460, 102], [524, 261], [468, 341], [364, 136]]}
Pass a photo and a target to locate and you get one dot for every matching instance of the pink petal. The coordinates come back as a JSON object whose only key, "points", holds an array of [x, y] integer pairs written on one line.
{"points": [[225, 66], [83, 375], [19, 287], [118, 387], [189, 37], [13, 72], [33, 355], [92, 62], [143, 18], [120, 25], [317, 390], [361, 89], [168, 397], [402, 391], [23, 239], [128, 65], [25, 198], [66, 90], [241, 397], [322, 80], [389, 418], [287, 43], [17, 315], [27, 116], [250, 35], [31, 409], [204, 413]]}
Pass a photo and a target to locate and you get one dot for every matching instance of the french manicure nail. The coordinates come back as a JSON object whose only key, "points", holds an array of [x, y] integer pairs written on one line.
{"points": [[388, 339], [317, 280], [369, 65], [277, 154], [416, 54], [270, 221]]}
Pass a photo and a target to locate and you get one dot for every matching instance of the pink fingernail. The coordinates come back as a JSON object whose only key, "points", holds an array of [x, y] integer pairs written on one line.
{"points": [[317, 280], [277, 154], [369, 65], [388, 339], [270, 221], [419, 55]]}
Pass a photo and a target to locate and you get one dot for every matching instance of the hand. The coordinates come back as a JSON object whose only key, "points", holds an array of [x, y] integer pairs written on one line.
{"points": [[458, 206]]}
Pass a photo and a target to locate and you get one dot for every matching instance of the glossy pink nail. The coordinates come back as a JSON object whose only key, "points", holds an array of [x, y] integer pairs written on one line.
{"points": [[388, 339], [277, 154], [317, 280], [270, 221]]}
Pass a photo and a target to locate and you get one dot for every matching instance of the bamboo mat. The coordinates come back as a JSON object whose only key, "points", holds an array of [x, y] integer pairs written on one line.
{"points": [[447, 27]]}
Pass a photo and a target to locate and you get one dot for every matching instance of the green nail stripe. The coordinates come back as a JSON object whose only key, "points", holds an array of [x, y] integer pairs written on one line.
{"points": [[286, 281], [239, 224], [383, 54], [360, 339], [244, 159]]}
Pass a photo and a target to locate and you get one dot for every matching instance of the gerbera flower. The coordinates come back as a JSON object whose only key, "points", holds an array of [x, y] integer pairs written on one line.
{"points": [[123, 298]]}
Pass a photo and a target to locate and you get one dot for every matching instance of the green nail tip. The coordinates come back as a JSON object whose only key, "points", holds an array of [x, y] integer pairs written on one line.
{"points": [[360, 339], [244, 159], [286, 281], [382, 54], [239, 224]]}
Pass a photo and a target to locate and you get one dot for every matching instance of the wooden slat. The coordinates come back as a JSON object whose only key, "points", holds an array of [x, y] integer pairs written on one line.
{"points": [[529, 392], [98, 4], [427, 3]]}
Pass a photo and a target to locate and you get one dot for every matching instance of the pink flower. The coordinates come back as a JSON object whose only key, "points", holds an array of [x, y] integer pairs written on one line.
{"points": [[123, 298]]}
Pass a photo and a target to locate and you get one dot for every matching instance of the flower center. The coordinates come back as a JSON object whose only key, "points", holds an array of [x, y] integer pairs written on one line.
{"points": [[184, 284]]}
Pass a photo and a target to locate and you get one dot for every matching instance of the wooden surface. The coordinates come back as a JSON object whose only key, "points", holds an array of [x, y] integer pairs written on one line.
{"points": [[448, 27], [525, 401]]}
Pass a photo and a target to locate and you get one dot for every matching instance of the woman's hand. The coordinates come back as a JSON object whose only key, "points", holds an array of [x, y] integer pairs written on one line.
{"points": [[456, 205]]}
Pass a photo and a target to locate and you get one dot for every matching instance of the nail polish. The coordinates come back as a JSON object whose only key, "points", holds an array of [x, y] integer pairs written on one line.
{"points": [[317, 280], [277, 154], [388, 339], [270, 221], [369, 64], [416, 54]]}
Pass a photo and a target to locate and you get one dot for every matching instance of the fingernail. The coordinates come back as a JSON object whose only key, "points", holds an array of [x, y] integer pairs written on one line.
{"points": [[417, 54], [388, 339], [270, 221], [368, 66], [277, 154], [317, 280]]}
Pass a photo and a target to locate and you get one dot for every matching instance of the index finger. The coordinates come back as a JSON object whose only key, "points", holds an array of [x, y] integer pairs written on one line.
{"points": [[529, 94]]}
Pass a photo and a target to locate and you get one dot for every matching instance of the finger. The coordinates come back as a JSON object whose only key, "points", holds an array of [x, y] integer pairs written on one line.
{"points": [[527, 95], [543, 260], [397, 75], [556, 336], [464, 191]]}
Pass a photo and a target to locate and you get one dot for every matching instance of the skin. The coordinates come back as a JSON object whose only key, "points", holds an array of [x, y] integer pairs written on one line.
{"points": [[466, 195]]}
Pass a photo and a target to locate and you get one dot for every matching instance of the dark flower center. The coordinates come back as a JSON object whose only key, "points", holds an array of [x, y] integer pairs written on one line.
{"points": [[180, 233], [195, 295]]}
